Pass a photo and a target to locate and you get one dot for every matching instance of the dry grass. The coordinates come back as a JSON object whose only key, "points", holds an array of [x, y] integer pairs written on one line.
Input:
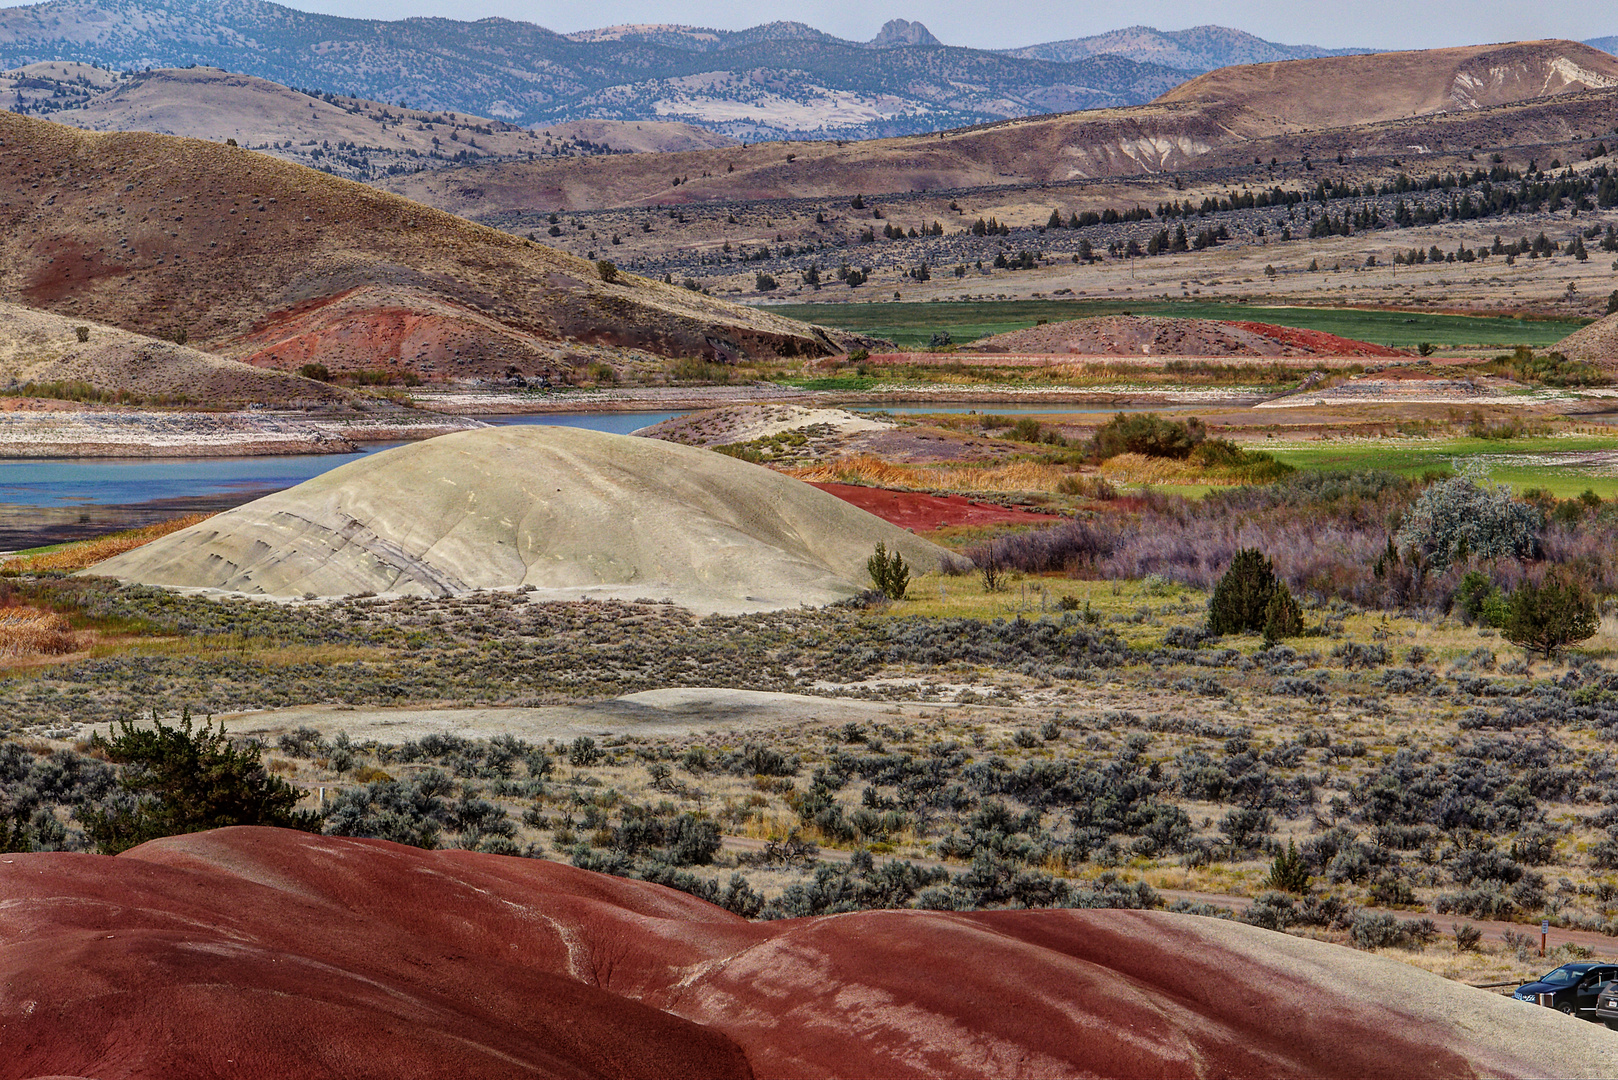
{"points": [[87, 553], [875, 472], [1140, 469], [31, 632]]}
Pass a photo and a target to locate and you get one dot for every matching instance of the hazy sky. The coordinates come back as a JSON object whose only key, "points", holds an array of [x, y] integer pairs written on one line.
{"points": [[1387, 24]]}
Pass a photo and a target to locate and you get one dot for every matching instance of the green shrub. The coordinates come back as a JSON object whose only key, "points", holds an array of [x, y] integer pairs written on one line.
{"points": [[1546, 617], [608, 271], [1146, 433], [317, 372], [889, 572], [1282, 616], [1288, 871], [186, 780], [82, 332], [1241, 600]]}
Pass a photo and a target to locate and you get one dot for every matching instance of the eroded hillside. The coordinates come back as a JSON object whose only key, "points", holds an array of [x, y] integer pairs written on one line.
{"points": [[279, 265]]}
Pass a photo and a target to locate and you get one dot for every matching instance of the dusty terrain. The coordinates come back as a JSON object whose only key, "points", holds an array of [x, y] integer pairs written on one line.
{"points": [[388, 961], [555, 511], [164, 236]]}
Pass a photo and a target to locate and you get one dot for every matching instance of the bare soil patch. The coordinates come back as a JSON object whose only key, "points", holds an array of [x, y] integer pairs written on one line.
{"points": [[922, 513]]}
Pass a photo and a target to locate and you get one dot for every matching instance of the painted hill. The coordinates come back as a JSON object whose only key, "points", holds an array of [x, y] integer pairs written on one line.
{"points": [[568, 511], [262, 952], [278, 265], [37, 347], [1267, 99], [778, 80], [1487, 95], [344, 136]]}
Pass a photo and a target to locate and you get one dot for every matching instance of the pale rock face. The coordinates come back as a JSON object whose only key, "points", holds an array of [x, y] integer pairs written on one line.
{"points": [[571, 513]]}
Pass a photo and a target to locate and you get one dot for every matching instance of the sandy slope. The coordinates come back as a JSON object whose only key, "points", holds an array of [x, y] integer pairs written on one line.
{"points": [[570, 512]]}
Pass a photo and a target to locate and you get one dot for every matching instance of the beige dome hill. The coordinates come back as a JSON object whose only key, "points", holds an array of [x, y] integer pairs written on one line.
{"points": [[568, 511], [1596, 342]]}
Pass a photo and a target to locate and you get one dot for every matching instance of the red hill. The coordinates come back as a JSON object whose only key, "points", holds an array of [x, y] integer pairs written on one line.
{"points": [[265, 953]]}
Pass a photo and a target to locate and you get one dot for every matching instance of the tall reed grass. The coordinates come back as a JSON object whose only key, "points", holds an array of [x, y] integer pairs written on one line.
{"points": [[30, 632]]}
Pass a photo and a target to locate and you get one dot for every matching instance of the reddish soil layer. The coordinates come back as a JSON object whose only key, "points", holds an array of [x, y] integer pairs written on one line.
{"points": [[920, 512], [1318, 341], [248, 953]]}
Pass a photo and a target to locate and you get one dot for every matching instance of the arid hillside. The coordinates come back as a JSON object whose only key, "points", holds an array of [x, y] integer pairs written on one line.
{"points": [[40, 351], [1344, 91], [1286, 110], [269, 262], [344, 136], [317, 956]]}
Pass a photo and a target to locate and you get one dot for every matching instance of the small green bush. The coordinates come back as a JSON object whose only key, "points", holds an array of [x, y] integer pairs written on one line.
{"points": [[1546, 617], [889, 572], [1241, 600], [1148, 434], [1288, 871]]}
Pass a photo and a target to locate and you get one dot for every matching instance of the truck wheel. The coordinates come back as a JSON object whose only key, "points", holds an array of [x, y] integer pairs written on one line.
{"points": [[1612, 1025], [1566, 1009]]}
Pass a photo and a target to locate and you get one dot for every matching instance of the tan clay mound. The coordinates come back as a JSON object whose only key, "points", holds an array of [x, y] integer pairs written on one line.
{"points": [[1136, 335], [160, 235], [268, 953], [567, 511], [1596, 343], [40, 347]]}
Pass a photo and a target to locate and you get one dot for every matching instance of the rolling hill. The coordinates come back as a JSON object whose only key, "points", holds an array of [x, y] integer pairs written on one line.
{"points": [[352, 137], [279, 265], [1408, 101], [775, 81], [1271, 99], [38, 348]]}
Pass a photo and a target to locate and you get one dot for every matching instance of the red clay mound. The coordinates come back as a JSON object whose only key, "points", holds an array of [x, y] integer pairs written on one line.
{"points": [[921, 513], [1317, 342], [1149, 336], [266, 953]]}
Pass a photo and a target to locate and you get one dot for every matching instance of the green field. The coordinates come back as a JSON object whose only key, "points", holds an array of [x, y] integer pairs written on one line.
{"points": [[914, 324], [1520, 463]]}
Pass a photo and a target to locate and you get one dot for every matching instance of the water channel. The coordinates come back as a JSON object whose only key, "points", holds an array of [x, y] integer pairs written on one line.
{"points": [[50, 500]]}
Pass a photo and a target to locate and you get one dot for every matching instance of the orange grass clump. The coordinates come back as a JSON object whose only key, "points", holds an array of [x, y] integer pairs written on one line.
{"points": [[29, 632], [875, 472], [87, 553]]}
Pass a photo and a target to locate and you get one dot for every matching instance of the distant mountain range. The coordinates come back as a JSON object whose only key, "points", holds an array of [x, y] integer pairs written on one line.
{"points": [[777, 80], [1199, 49]]}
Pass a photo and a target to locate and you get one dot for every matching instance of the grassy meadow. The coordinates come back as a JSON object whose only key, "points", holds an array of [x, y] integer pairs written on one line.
{"points": [[912, 325]]}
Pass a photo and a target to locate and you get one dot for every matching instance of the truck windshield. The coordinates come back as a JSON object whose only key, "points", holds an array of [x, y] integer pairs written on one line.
{"points": [[1560, 976]]}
